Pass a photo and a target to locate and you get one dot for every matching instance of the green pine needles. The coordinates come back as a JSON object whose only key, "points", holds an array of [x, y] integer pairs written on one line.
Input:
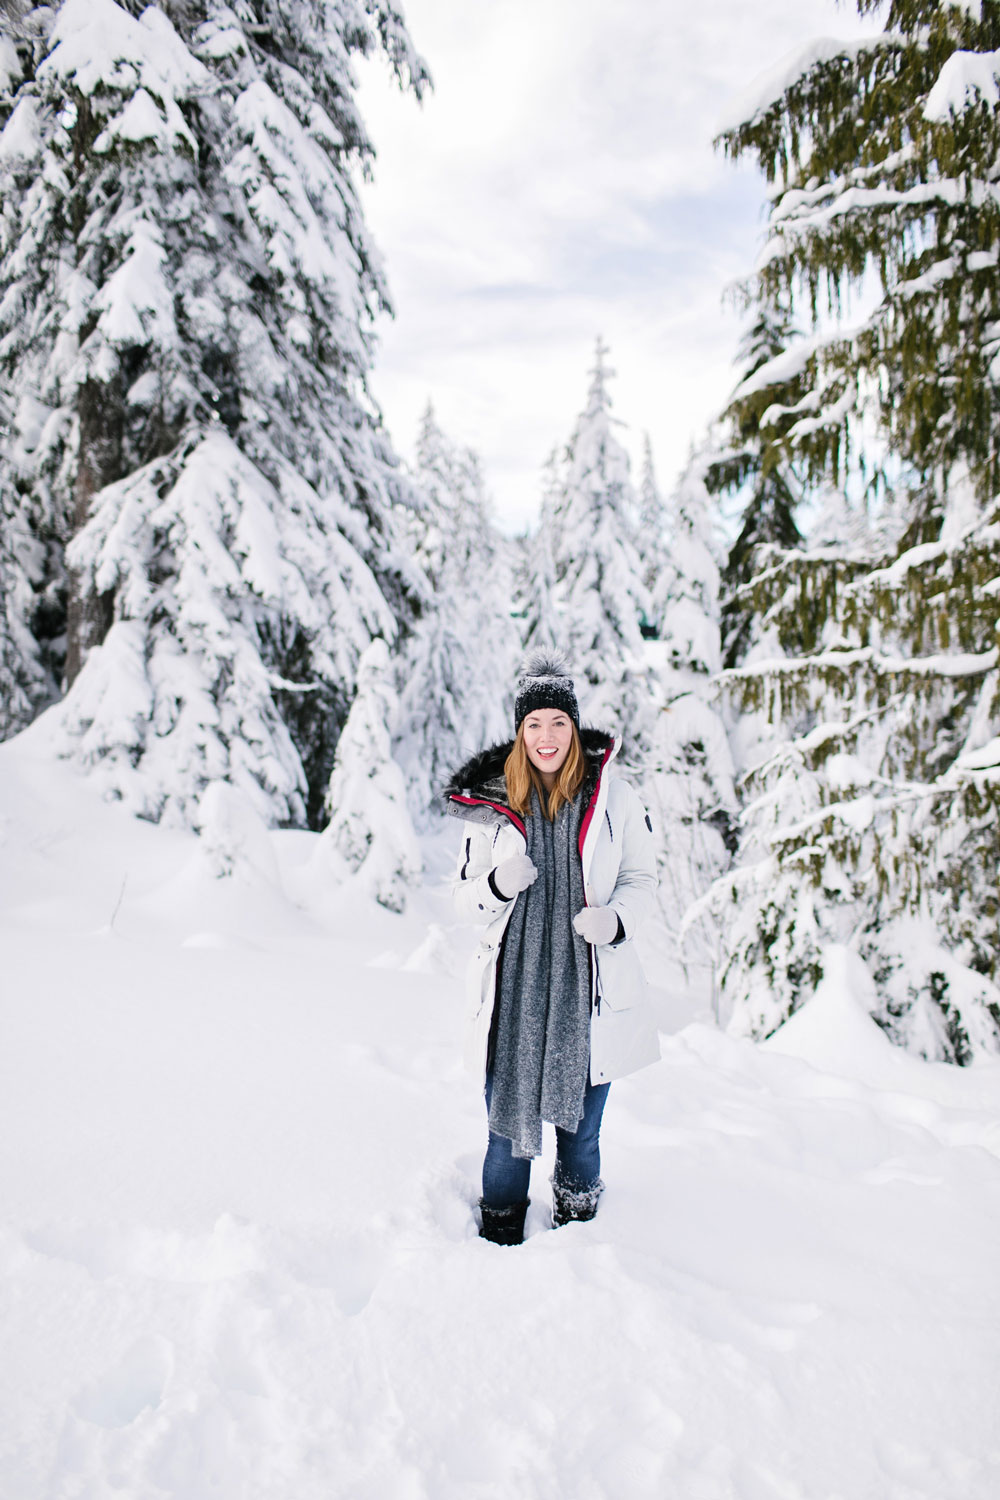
{"points": [[863, 655], [884, 160]]}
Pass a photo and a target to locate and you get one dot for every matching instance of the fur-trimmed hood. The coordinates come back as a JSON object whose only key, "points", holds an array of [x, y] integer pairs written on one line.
{"points": [[482, 777]]}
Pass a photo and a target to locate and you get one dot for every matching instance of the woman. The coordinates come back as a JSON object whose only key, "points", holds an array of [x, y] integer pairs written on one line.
{"points": [[558, 865]]}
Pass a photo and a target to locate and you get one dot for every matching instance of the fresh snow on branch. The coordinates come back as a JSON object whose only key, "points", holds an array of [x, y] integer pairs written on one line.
{"points": [[964, 77], [770, 87]]}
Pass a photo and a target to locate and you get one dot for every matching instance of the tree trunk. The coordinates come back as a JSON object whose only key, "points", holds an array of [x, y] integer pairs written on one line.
{"points": [[88, 613]]}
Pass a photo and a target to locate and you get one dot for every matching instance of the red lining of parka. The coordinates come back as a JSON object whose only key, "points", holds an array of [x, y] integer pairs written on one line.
{"points": [[496, 806], [507, 813]]}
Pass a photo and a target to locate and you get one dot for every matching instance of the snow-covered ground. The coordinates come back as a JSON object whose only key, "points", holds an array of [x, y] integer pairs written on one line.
{"points": [[238, 1163]]}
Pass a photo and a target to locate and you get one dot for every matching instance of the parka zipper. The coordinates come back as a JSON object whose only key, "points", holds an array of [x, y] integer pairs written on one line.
{"points": [[595, 984]]}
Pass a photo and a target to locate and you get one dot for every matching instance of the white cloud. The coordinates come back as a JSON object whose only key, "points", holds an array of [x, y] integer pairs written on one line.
{"points": [[560, 183]]}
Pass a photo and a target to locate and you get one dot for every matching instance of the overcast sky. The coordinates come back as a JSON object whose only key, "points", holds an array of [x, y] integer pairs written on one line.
{"points": [[558, 184]]}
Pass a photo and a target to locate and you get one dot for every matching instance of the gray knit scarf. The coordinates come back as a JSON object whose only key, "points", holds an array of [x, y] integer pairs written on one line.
{"points": [[542, 1026]]}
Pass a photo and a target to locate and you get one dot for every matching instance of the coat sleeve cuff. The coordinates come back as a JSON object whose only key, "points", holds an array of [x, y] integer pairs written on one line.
{"points": [[498, 893]]}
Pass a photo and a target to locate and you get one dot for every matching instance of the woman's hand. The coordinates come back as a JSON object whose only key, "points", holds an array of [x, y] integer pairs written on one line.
{"points": [[597, 924], [513, 875]]}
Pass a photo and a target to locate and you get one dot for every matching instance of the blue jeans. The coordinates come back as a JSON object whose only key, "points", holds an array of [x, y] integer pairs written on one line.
{"points": [[578, 1154]]}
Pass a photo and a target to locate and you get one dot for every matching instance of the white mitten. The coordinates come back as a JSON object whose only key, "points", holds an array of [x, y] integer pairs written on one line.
{"points": [[513, 875], [597, 924]]}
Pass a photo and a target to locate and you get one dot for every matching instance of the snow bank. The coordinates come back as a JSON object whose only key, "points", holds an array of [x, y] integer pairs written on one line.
{"points": [[238, 1232], [834, 1030]]}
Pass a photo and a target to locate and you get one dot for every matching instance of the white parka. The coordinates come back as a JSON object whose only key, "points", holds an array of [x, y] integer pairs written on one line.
{"points": [[619, 870]]}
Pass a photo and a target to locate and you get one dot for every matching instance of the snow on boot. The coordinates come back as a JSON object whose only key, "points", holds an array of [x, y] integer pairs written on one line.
{"points": [[574, 1205], [503, 1226]]}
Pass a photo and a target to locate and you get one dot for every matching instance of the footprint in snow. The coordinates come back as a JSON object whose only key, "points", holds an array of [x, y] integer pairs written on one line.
{"points": [[348, 1266], [134, 1385], [451, 1194], [228, 1249]]}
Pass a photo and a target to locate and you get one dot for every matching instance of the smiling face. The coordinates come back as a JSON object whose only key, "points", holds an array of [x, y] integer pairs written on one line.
{"points": [[548, 735]]}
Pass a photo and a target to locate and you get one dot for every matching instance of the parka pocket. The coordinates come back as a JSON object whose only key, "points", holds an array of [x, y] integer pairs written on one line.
{"points": [[480, 976], [621, 983]]}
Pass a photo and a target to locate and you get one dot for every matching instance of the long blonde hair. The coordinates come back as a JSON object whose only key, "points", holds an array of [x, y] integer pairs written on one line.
{"points": [[523, 778]]}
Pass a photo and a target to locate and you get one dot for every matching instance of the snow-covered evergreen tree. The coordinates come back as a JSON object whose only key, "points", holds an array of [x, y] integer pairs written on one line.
{"points": [[234, 843], [370, 825], [688, 774], [652, 532], [537, 572], [758, 468], [882, 153], [600, 597], [456, 668], [23, 679], [686, 596], [186, 295], [873, 817]]}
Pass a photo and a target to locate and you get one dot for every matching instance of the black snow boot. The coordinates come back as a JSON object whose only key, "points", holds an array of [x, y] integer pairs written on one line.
{"points": [[503, 1226], [574, 1205]]}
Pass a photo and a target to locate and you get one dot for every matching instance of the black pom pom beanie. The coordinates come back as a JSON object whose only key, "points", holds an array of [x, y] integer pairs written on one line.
{"points": [[545, 683]]}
